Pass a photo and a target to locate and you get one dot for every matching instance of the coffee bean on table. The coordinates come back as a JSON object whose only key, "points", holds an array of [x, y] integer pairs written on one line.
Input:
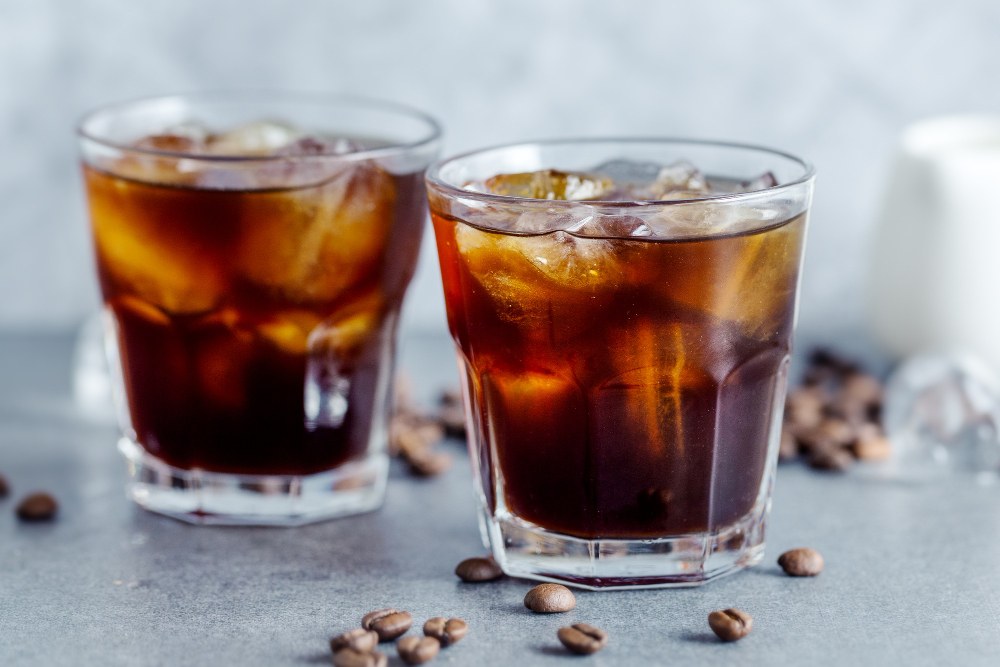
{"points": [[871, 445], [730, 624], [582, 638], [550, 599], [446, 630], [474, 570], [801, 562], [429, 463], [350, 657], [387, 623], [417, 650], [358, 639], [831, 458], [39, 506], [4, 487]]}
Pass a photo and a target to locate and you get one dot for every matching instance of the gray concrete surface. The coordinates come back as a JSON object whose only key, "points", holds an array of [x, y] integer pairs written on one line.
{"points": [[912, 571]]}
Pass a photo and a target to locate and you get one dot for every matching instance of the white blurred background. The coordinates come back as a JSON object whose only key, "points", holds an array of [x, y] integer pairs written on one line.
{"points": [[831, 80]]}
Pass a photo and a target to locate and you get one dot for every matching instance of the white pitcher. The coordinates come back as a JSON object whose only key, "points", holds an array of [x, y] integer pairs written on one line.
{"points": [[935, 268]]}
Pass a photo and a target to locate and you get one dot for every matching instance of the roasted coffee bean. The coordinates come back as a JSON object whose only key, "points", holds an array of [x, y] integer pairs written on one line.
{"points": [[4, 487], [448, 631], [582, 638], [831, 459], [474, 570], [550, 599], [417, 650], [429, 463], [862, 388], [730, 624], [37, 507], [802, 562], [871, 444], [804, 408], [451, 414], [833, 431], [351, 657], [387, 623], [359, 639], [788, 448]]}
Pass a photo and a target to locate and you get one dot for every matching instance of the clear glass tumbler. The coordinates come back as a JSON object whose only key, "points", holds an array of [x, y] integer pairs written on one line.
{"points": [[624, 357], [253, 252]]}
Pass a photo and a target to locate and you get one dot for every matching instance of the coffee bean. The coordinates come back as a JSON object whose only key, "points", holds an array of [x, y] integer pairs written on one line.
{"points": [[550, 599], [4, 487], [788, 448], [730, 624], [350, 657], [417, 650], [802, 562], [804, 407], [451, 414], [474, 570], [448, 631], [862, 388], [871, 445], [37, 507], [387, 623], [582, 638], [429, 463], [359, 639], [830, 458]]}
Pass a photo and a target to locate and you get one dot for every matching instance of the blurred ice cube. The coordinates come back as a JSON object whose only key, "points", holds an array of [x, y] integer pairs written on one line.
{"points": [[762, 182], [550, 184], [629, 171], [309, 145], [313, 244], [253, 139], [942, 410]]}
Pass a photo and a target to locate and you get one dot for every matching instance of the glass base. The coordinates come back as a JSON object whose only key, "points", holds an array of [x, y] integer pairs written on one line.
{"points": [[201, 497], [525, 550]]}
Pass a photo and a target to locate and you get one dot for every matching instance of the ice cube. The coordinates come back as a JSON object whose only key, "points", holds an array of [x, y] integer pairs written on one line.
{"points": [[943, 410], [334, 348], [310, 145], [150, 256], [552, 280], [313, 244], [550, 184], [762, 182], [253, 139], [183, 138], [680, 180], [625, 172]]}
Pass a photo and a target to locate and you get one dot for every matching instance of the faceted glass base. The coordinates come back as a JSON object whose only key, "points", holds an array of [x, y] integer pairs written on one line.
{"points": [[525, 550], [201, 497]]}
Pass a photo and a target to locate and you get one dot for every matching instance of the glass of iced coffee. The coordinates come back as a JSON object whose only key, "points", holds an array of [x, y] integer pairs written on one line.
{"points": [[253, 252], [623, 315]]}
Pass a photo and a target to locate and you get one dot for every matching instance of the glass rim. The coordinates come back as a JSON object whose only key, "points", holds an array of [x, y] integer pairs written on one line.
{"points": [[433, 175], [431, 137]]}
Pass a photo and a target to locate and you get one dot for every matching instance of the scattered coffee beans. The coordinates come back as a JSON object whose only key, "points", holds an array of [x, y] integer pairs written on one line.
{"points": [[549, 599], [448, 631], [730, 624], [350, 657], [387, 623], [359, 639], [582, 638], [802, 562], [834, 418], [417, 650], [429, 463], [451, 414], [4, 487], [37, 507], [474, 570]]}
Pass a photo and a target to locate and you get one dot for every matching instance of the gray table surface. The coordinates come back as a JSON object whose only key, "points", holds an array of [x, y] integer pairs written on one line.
{"points": [[912, 577]]}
